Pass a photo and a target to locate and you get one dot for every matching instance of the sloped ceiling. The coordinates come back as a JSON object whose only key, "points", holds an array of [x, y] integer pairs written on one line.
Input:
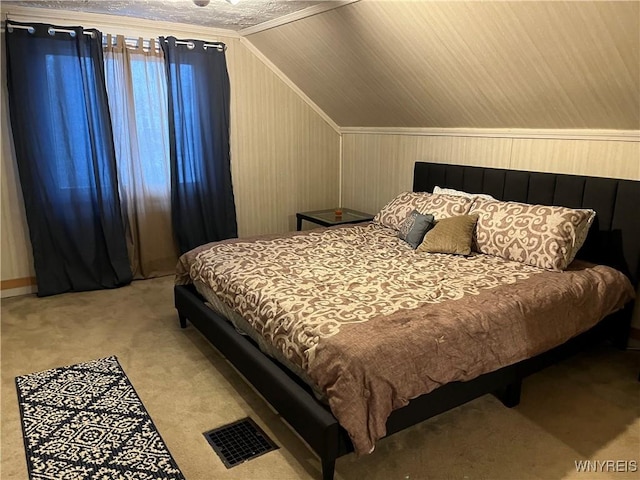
{"points": [[467, 64]]}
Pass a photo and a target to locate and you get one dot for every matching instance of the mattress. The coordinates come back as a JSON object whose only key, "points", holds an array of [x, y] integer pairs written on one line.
{"points": [[371, 323], [244, 328]]}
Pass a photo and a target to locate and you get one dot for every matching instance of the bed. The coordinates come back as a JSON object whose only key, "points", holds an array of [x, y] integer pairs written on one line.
{"points": [[613, 240]]}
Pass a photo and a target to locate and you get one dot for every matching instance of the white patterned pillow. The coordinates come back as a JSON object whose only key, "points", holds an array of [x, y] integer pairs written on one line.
{"points": [[459, 193], [394, 213], [538, 235]]}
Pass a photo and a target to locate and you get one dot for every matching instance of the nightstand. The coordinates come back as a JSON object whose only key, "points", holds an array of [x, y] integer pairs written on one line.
{"points": [[328, 218]]}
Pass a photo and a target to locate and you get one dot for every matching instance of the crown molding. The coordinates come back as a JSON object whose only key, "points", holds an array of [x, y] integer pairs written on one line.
{"points": [[557, 134], [280, 74], [295, 16], [115, 24]]}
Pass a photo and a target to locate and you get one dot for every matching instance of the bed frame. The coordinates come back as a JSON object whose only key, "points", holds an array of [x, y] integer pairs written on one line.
{"points": [[614, 240]]}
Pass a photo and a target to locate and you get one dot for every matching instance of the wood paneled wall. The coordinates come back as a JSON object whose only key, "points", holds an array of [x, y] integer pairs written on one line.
{"points": [[284, 156], [16, 260], [379, 166]]}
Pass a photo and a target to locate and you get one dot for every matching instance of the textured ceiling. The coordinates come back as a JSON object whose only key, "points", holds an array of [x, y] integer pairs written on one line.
{"points": [[218, 14]]}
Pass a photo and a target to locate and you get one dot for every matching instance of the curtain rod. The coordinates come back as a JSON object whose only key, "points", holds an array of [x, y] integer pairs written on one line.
{"points": [[50, 30], [72, 33], [135, 42], [191, 45]]}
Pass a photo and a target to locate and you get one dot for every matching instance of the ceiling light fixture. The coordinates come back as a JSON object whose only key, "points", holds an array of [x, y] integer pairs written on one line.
{"points": [[233, 2]]}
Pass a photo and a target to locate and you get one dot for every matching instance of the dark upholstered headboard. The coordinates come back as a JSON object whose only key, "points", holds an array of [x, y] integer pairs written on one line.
{"points": [[614, 238]]}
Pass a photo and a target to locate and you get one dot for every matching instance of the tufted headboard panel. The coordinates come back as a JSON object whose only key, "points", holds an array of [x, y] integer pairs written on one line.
{"points": [[614, 238]]}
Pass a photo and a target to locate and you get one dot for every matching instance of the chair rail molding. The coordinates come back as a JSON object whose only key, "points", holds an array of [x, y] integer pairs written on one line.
{"points": [[556, 134]]}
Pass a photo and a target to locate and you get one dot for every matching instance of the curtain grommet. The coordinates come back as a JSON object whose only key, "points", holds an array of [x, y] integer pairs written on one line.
{"points": [[31, 30]]}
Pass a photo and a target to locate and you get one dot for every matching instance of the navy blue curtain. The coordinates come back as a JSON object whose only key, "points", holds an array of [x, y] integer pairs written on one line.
{"points": [[65, 155], [202, 202]]}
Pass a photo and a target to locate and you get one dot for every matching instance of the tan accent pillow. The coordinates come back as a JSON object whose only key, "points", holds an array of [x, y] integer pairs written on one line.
{"points": [[543, 236], [394, 213], [450, 235]]}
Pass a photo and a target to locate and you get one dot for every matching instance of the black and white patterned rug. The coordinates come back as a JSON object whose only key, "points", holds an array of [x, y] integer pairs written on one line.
{"points": [[86, 421]]}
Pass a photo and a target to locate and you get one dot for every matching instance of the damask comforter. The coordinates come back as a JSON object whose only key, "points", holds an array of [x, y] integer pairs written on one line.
{"points": [[373, 324]]}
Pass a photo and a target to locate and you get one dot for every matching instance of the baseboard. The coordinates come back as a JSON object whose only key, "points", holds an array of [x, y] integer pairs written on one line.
{"points": [[17, 286]]}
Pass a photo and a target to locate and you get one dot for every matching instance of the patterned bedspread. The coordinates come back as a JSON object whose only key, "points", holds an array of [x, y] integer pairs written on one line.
{"points": [[373, 323]]}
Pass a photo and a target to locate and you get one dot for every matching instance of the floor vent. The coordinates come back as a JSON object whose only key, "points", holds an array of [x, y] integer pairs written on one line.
{"points": [[239, 441]]}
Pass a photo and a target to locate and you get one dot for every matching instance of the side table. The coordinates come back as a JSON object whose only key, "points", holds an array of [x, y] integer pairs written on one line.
{"points": [[328, 217]]}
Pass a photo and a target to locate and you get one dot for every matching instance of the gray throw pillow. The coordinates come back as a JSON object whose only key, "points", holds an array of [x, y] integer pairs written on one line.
{"points": [[414, 228]]}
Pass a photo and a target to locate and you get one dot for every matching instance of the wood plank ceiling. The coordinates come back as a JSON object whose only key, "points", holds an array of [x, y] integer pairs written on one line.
{"points": [[467, 64]]}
